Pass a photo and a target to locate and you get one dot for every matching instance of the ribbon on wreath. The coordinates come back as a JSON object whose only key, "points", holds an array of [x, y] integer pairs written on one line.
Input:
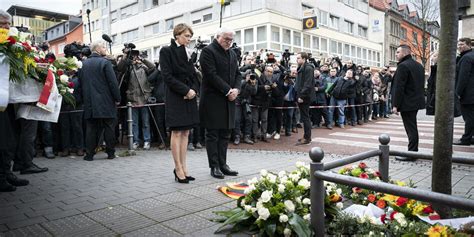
{"points": [[49, 95]]}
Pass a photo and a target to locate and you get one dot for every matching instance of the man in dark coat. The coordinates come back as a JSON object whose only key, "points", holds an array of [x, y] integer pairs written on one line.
{"points": [[408, 94], [465, 89], [220, 86], [320, 87], [100, 93], [305, 94]]}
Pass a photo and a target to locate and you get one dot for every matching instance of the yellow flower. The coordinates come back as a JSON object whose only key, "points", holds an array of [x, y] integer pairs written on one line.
{"points": [[3, 36], [418, 209], [401, 183], [390, 198], [437, 231]]}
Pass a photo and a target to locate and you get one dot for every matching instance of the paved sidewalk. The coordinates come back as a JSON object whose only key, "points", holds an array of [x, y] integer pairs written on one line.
{"points": [[137, 196]]}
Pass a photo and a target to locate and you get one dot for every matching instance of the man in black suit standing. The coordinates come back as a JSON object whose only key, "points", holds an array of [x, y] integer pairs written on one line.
{"points": [[100, 94], [465, 89], [408, 95], [305, 94], [220, 87]]}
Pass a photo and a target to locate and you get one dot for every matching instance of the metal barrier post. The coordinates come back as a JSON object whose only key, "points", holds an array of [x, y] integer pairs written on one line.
{"points": [[384, 162], [317, 192], [130, 126]]}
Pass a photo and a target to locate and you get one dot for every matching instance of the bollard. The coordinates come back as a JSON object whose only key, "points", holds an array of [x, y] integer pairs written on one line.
{"points": [[317, 192], [130, 127], [384, 161]]}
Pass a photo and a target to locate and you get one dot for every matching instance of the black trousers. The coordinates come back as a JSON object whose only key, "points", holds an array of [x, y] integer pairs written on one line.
{"points": [[275, 117], [72, 133], [318, 112], [467, 111], [94, 129], [216, 146], [305, 118], [26, 142], [411, 128]]}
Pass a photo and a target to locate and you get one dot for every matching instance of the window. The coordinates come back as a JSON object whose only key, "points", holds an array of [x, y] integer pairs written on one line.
{"points": [[395, 28], [151, 3], [286, 36], [315, 42], [152, 29], [113, 16], [324, 44], [169, 24], [339, 48], [403, 33], [207, 17], [334, 22], [349, 2], [237, 37], [156, 53], [415, 38], [362, 31], [115, 39], [393, 52], [333, 48], [323, 18], [61, 48], [196, 21], [129, 11], [347, 49], [248, 36], [275, 34], [129, 36], [261, 33], [306, 41], [297, 39], [92, 26], [349, 27]]}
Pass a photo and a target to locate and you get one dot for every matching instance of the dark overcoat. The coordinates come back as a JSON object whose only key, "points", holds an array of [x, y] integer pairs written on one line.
{"points": [[179, 76], [98, 88], [431, 91], [408, 85], [220, 74], [321, 92], [304, 85], [465, 78]]}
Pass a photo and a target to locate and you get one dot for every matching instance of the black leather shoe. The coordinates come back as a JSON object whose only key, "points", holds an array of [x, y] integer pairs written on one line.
{"points": [[403, 158], [33, 169], [15, 181], [111, 156], [17, 167], [88, 158], [227, 171], [461, 143], [216, 173], [6, 187]]}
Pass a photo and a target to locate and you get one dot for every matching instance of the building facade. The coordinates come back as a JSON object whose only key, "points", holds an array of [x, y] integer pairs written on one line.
{"points": [[72, 32], [265, 24], [394, 24], [35, 20], [466, 10], [97, 22]]}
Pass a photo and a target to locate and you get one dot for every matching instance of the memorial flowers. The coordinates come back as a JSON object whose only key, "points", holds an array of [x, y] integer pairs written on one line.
{"points": [[279, 204], [19, 54]]}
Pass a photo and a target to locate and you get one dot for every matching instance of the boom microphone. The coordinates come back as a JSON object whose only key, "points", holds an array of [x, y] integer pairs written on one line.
{"points": [[106, 38]]}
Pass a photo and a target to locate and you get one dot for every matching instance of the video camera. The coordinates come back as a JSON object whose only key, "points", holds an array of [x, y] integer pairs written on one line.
{"points": [[287, 54], [75, 50], [200, 44]]}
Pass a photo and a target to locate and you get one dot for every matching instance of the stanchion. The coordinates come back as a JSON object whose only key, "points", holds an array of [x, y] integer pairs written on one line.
{"points": [[317, 192], [384, 162], [130, 127]]}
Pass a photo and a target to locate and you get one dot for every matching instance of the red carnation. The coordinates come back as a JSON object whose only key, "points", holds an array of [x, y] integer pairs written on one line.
{"points": [[356, 190], [11, 40], [392, 215], [51, 60], [362, 165], [60, 72], [37, 59], [377, 174], [71, 84], [364, 176], [428, 210], [26, 46], [383, 218], [401, 201]]}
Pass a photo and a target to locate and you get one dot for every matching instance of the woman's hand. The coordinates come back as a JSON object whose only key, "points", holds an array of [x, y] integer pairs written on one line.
{"points": [[191, 94]]}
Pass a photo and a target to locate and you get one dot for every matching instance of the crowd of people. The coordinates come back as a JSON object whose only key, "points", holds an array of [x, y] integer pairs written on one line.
{"points": [[184, 104]]}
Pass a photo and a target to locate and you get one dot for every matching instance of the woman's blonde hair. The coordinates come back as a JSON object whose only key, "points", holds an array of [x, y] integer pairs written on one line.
{"points": [[181, 28]]}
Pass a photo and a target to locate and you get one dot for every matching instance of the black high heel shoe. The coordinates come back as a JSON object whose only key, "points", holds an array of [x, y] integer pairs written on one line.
{"points": [[176, 178], [190, 178]]}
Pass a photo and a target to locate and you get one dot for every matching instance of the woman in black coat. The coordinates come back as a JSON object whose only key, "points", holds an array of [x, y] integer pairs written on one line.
{"points": [[431, 90], [181, 112]]}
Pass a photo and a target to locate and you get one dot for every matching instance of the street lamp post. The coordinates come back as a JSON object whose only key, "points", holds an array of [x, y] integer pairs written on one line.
{"points": [[223, 3], [88, 11]]}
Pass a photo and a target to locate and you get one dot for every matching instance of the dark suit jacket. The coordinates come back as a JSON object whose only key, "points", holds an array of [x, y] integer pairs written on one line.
{"points": [[220, 74], [179, 76], [304, 85], [408, 85], [465, 78], [98, 88]]}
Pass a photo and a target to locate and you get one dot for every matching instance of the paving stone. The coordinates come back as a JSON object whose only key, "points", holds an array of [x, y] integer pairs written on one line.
{"points": [[120, 219], [188, 224], [32, 230], [174, 197], [26, 222], [144, 205], [209, 214], [195, 204], [79, 225], [154, 230], [164, 213], [61, 214]]}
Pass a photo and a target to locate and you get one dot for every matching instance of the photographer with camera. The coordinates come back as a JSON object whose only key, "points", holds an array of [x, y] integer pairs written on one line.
{"points": [[243, 111], [275, 116], [289, 99], [261, 102], [136, 70]]}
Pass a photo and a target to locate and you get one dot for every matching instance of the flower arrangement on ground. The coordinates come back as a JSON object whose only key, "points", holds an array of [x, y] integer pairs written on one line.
{"points": [[278, 204]]}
